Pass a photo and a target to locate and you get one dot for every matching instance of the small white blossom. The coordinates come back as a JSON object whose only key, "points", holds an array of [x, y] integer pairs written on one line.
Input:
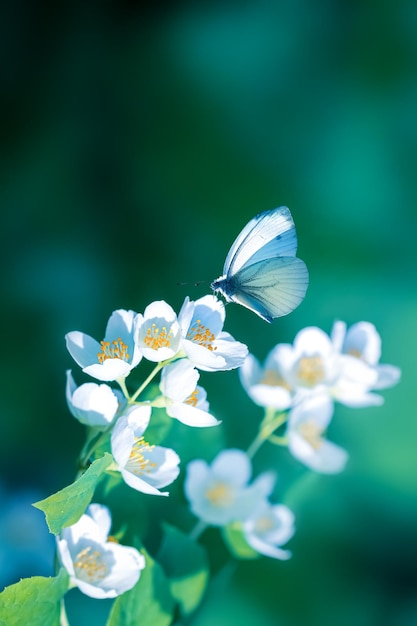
{"points": [[158, 332], [219, 493], [92, 404], [362, 341], [144, 467], [112, 358], [184, 399], [307, 423], [269, 527], [266, 385], [99, 567], [204, 341]]}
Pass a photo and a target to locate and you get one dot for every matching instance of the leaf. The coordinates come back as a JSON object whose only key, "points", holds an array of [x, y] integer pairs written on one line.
{"points": [[185, 563], [149, 602], [65, 507], [34, 601], [236, 542]]}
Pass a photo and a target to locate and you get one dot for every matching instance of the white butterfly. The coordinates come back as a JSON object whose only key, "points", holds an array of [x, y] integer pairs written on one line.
{"points": [[261, 271]]}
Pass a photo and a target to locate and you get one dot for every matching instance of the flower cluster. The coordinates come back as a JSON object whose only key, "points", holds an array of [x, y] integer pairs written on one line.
{"points": [[302, 382], [298, 386], [178, 346], [220, 494]]}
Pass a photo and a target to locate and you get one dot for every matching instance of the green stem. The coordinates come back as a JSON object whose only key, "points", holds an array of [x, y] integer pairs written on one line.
{"points": [[268, 426], [146, 382], [63, 619], [198, 529]]}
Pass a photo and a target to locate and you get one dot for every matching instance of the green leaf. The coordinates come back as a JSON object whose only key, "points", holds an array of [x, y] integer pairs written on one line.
{"points": [[236, 542], [34, 601], [149, 602], [65, 507], [185, 563]]}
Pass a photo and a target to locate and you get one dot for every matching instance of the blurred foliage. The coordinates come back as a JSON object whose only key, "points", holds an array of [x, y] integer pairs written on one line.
{"points": [[136, 143]]}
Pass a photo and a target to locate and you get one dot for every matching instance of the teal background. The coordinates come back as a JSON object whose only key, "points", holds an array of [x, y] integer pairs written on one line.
{"points": [[135, 144]]}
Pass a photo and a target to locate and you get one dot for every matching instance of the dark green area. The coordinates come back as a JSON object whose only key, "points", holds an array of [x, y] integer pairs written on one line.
{"points": [[135, 144]]}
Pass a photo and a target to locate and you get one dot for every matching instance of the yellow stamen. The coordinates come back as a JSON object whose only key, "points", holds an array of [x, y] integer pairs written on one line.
{"points": [[273, 379], [138, 464], [116, 349], [156, 338], [311, 370], [219, 494], [89, 565], [263, 524], [202, 335], [355, 352], [311, 432], [192, 399]]}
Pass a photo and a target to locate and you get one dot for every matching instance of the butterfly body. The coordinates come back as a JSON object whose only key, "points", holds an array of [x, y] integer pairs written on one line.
{"points": [[261, 271]]}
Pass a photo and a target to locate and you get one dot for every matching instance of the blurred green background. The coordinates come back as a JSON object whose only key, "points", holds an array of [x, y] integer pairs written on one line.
{"points": [[135, 144]]}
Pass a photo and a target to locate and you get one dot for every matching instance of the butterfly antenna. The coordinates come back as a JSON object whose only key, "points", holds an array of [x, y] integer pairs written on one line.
{"points": [[196, 284]]}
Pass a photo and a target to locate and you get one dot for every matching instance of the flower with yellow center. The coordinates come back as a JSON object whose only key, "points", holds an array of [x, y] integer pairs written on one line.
{"points": [[97, 565], [183, 398], [144, 467], [268, 527], [158, 332], [266, 384], [204, 342], [112, 358], [220, 493], [307, 423]]}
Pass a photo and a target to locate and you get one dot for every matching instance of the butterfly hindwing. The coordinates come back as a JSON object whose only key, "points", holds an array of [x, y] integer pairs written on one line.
{"points": [[271, 288]]}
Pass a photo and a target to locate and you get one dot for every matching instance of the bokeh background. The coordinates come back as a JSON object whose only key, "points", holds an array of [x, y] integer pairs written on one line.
{"points": [[135, 143]]}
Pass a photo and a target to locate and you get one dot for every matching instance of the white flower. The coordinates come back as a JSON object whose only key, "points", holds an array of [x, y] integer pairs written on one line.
{"points": [[307, 423], [98, 567], [204, 341], [269, 527], [363, 342], [112, 358], [92, 404], [143, 467], [158, 332], [266, 385], [219, 493], [184, 399], [314, 365]]}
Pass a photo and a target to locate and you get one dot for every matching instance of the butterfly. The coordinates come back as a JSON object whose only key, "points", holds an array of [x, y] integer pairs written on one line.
{"points": [[261, 271]]}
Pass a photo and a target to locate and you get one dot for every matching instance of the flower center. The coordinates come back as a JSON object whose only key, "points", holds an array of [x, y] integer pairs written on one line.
{"points": [[311, 432], [355, 352], [138, 463], [156, 337], [273, 379], [116, 349], [263, 524], [89, 565], [311, 370], [192, 399], [219, 494], [198, 333]]}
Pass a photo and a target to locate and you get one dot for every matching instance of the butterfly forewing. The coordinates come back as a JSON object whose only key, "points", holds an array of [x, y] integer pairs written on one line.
{"points": [[266, 236]]}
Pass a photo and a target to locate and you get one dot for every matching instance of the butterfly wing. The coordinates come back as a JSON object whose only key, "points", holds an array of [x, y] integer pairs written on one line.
{"points": [[268, 235], [272, 287]]}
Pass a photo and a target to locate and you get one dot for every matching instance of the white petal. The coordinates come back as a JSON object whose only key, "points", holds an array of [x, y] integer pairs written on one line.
{"points": [[197, 475], [318, 408], [363, 339], [233, 466], [110, 369], [190, 415], [179, 380], [327, 459], [387, 376], [312, 341], [102, 517], [83, 348], [271, 396]]}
